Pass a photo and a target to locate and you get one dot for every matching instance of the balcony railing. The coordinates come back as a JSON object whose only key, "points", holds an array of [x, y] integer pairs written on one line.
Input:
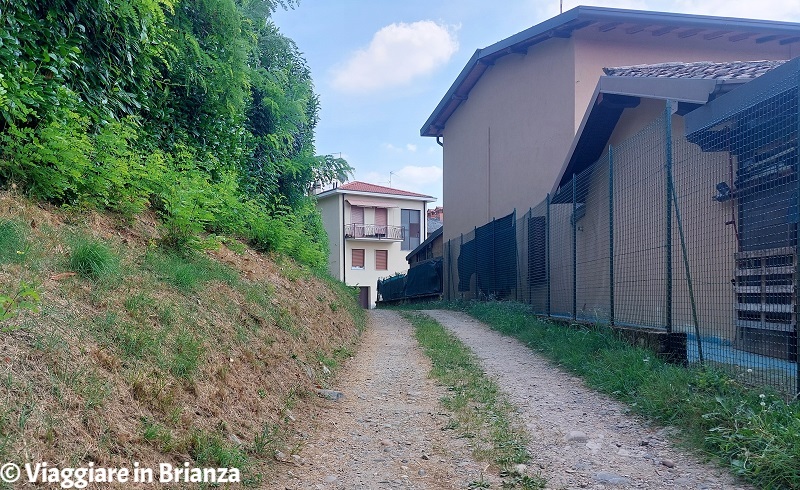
{"points": [[375, 232]]}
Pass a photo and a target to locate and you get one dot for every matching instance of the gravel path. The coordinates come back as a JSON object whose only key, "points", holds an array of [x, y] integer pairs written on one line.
{"points": [[386, 432], [580, 439]]}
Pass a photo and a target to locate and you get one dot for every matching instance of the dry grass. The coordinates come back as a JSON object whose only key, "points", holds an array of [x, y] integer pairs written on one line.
{"points": [[137, 369]]}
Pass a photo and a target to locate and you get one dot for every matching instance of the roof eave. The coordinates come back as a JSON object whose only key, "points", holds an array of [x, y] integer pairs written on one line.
{"points": [[382, 195], [688, 90], [563, 25]]}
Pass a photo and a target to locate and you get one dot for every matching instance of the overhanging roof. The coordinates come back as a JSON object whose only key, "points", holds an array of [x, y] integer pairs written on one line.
{"points": [[762, 88], [606, 19], [433, 236], [614, 94]]}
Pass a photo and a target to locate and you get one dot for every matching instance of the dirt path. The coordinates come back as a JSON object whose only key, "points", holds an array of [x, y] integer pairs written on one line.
{"points": [[580, 439], [386, 433]]}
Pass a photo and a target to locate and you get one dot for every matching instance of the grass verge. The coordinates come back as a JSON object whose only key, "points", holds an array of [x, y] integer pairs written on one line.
{"points": [[756, 433], [480, 410]]}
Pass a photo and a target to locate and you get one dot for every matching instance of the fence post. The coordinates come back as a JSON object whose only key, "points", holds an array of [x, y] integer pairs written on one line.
{"points": [[449, 268], [668, 245], [574, 249], [611, 234], [493, 284], [547, 251]]}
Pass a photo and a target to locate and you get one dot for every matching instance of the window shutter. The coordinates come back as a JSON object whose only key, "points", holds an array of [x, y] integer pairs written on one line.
{"points": [[381, 260], [381, 220], [357, 215], [358, 258]]}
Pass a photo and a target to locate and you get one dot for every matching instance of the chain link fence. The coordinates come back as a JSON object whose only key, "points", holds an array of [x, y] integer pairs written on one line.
{"points": [[688, 233]]}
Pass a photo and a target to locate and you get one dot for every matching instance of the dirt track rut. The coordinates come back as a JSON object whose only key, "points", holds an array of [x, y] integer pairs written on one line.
{"points": [[387, 431]]}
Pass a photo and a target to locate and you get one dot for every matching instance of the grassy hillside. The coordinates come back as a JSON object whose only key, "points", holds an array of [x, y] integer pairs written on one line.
{"points": [[139, 354]]}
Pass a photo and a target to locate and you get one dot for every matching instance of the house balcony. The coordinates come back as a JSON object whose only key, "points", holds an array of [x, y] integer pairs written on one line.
{"points": [[373, 232]]}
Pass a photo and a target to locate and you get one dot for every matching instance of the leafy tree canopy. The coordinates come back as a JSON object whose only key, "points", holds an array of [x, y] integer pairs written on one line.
{"points": [[199, 109]]}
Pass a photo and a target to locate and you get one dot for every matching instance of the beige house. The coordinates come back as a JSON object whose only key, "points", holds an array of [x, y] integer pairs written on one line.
{"points": [[371, 229], [508, 120]]}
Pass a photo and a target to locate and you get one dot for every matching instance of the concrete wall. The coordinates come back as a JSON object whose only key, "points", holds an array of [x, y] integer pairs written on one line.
{"points": [[330, 208]]}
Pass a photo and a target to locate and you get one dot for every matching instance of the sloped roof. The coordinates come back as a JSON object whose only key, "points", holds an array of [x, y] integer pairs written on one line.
{"points": [[433, 224], [629, 22], [365, 188], [377, 189], [690, 85], [729, 70]]}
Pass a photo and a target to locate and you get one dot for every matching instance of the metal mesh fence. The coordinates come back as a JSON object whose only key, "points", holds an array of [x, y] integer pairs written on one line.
{"points": [[694, 235]]}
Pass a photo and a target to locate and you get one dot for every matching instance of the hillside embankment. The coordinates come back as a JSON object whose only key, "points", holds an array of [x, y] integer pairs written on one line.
{"points": [[139, 354]]}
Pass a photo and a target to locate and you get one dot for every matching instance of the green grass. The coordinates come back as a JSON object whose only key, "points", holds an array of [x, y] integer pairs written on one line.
{"points": [[755, 432], [480, 410], [188, 272], [93, 260], [13, 241]]}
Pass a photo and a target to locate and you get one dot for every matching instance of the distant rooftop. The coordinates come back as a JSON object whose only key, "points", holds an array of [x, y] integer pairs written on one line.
{"points": [[367, 188], [377, 189], [729, 70]]}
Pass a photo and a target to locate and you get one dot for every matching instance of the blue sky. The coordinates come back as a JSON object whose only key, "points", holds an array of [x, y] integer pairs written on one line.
{"points": [[380, 67]]}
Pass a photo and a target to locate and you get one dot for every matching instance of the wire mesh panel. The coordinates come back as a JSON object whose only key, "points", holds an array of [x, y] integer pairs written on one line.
{"points": [[560, 234], [537, 248], [746, 160], [695, 235], [640, 223], [592, 243]]}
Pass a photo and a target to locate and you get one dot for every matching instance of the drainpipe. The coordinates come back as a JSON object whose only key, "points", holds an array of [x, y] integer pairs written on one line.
{"points": [[439, 141], [344, 246]]}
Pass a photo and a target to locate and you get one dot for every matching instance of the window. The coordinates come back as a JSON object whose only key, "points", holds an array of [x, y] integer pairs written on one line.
{"points": [[357, 220], [358, 258], [381, 260], [381, 220], [409, 219]]}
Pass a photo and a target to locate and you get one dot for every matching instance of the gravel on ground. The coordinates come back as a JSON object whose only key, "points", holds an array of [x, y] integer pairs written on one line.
{"points": [[581, 438], [388, 430]]}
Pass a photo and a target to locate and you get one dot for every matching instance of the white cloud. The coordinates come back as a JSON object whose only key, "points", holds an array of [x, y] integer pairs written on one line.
{"points": [[417, 176], [411, 147], [397, 54]]}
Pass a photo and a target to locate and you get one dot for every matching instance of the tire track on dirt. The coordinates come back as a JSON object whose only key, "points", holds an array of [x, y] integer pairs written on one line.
{"points": [[387, 431], [580, 438]]}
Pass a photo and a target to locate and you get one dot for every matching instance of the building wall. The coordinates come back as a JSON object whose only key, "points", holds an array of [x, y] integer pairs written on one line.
{"points": [[595, 50], [330, 208], [505, 145], [396, 257]]}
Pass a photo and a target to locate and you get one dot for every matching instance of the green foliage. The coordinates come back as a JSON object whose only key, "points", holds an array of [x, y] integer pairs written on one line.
{"points": [[93, 260], [198, 109], [187, 272], [24, 298]]}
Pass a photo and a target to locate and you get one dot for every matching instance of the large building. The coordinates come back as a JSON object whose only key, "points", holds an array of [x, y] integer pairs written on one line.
{"points": [[508, 120], [371, 229]]}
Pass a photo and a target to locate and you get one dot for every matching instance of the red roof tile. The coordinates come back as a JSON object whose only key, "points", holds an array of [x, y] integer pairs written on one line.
{"points": [[378, 189]]}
